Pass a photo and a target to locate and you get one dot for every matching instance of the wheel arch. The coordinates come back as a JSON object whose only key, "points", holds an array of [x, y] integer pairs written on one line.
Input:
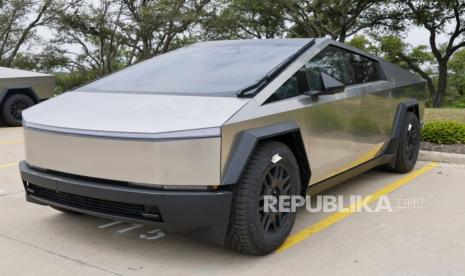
{"points": [[246, 142], [28, 91], [410, 105]]}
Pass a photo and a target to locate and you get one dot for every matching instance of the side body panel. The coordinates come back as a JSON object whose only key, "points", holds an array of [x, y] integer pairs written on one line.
{"points": [[42, 86], [340, 131]]}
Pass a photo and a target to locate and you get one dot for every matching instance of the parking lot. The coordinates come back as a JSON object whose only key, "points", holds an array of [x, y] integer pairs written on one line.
{"points": [[423, 235]]}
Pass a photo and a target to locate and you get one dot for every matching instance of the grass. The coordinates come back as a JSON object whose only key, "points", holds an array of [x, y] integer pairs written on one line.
{"points": [[449, 114]]}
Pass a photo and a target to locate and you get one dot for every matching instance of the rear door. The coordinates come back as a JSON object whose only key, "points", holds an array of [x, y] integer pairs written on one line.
{"points": [[372, 123]]}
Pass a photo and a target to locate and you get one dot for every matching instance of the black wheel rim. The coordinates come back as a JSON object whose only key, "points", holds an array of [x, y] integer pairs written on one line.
{"points": [[412, 142], [16, 108], [277, 183]]}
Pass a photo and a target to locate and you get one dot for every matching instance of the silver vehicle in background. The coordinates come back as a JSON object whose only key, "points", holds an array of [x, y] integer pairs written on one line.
{"points": [[21, 89], [193, 140]]}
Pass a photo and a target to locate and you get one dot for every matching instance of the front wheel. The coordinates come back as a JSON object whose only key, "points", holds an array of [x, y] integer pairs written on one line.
{"points": [[13, 106], [271, 171]]}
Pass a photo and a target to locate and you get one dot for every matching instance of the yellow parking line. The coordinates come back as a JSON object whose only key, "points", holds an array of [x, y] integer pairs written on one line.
{"points": [[9, 142], [7, 165], [332, 219]]}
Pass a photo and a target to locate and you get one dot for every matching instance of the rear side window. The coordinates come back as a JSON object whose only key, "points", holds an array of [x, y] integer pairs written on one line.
{"points": [[345, 66], [364, 69]]}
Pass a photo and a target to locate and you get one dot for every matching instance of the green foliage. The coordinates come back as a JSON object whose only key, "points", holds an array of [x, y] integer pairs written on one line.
{"points": [[68, 81], [363, 43], [241, 19], [394, 50], [437, 18], [457, 62], [89, 39], [444, 132], [457, 103], [336, 19], [457, 78]]}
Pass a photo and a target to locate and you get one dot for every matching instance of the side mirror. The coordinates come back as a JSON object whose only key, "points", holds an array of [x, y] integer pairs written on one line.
{"points": [[330, 86]]}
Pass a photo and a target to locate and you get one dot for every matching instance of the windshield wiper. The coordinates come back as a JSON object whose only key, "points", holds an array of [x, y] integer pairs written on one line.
{"points": [[253, 89]]}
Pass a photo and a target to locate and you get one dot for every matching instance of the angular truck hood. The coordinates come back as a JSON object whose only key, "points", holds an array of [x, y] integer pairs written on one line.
{"points": [[138, 115]]}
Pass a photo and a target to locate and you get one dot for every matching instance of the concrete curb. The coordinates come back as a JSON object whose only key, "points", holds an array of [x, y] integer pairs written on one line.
{"points": [[443, 157]]}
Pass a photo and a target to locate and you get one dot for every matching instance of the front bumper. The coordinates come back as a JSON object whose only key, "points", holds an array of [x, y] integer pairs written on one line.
{"points": [[204, 214]]}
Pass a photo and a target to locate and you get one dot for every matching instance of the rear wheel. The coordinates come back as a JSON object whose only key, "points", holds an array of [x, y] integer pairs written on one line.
{"points": [[13, 106], [271, 171], [409, 145]]}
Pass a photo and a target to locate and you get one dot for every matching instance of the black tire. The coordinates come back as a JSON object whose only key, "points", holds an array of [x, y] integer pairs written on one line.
{"points": [[66, 211], [409, 145], [13, 106], [246, 233]]}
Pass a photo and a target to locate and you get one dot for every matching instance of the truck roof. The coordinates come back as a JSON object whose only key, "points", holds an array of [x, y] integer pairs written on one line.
{"points": [[9, 73]]}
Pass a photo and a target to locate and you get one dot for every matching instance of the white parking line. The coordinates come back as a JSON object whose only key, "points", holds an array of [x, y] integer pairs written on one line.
{"points": [[158, 235], [134, 226], [110, 224]]}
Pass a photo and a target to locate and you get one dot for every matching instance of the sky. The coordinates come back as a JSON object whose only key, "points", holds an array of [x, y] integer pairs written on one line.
{"points": [[418, 36]]}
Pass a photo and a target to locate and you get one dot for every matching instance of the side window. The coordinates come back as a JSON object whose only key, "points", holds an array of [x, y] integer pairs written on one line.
{"points": [[365, 69], [332, 61], [294, 86], [345, 66]]}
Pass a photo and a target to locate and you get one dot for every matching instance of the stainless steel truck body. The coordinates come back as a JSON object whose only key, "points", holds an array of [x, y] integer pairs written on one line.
{"points": [[192, 140], [21, 89]]}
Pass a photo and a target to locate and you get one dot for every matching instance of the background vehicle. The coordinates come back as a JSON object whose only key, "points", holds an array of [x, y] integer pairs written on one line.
{"points": [[21, 89], [192, 140]]}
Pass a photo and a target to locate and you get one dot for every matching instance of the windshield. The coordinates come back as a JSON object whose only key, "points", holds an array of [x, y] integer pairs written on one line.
{"points": [[220, 68]]}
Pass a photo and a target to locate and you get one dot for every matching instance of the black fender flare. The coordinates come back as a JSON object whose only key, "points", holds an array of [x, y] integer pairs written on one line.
{"points": [[246, 142], [3, 94], [410, 105], [30, 92]]}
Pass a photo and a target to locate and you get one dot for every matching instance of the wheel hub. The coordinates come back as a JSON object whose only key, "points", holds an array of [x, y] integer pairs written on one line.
{"points": [[412, 142], [277, 183], [16, 108]]}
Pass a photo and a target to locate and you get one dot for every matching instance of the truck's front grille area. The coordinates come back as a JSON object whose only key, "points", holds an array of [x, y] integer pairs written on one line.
{"points": [[127, 210]]}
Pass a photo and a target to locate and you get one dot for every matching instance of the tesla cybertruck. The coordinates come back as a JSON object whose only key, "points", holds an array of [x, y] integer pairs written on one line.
{"points": [[21, 89], [193, 140]]}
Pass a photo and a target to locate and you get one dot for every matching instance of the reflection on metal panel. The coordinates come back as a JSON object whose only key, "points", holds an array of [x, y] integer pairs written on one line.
{"points": [[339, 131], [166, 162]]}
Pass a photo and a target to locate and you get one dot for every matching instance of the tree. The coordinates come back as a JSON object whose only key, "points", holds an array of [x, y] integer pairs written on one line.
{"points": [[337, 19], [19, 20], [392, 48], [416, 59], [153, 27], [244, 19], [435, 16], [457, 65], [93, 29], [363, 43]]}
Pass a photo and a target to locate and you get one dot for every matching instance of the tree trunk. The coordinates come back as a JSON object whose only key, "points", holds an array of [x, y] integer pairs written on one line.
{"points": [[430, 86], [438, 99]]}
